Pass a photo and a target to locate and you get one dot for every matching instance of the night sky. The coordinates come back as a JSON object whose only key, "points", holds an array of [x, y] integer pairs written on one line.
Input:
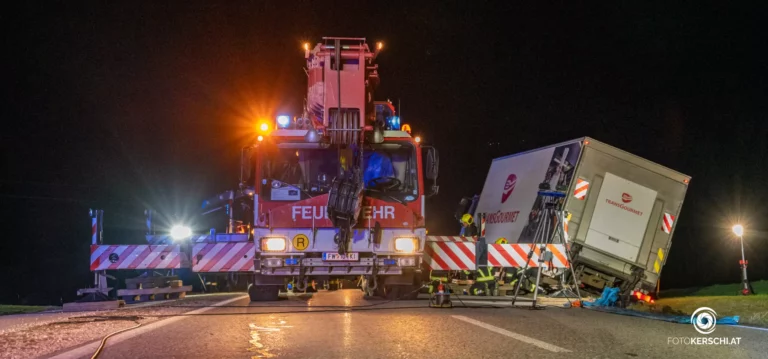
{"points": [[124, 107]]}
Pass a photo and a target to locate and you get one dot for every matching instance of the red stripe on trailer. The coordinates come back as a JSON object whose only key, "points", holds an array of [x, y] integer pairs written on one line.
{"points": [[667, 222], [580, 192]]}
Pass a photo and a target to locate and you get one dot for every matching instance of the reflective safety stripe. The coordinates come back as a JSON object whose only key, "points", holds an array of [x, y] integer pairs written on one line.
{"points": [[484, 276], [431, 277]]}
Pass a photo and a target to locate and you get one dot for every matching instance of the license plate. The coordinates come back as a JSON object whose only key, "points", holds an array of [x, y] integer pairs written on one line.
{"points": [[341, 257]]}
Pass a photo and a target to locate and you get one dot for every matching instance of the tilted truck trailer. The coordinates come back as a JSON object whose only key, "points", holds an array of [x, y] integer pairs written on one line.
{"points": [[623, 208]]}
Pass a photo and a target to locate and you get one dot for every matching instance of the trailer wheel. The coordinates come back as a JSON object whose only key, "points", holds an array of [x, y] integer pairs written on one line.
{"points": [[263, 293]]}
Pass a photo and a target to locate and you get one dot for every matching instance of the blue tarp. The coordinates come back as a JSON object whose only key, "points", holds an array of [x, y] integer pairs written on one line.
{"points": [[377, 165], [609, 297], [682, 319]]}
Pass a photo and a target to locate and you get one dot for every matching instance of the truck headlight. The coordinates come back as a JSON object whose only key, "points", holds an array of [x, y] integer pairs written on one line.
{"points": [[273, 244], [406, 244]]}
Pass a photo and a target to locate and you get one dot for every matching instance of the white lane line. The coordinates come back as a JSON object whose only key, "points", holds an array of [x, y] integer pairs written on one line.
{"points": [[513, 335], [748, 327], [88, 349]]}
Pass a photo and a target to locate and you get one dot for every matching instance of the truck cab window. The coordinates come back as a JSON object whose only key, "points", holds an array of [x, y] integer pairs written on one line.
{"points": [[389, 171]]}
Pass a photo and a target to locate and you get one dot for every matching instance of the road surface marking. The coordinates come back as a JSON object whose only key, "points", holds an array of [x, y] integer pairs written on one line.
{"points": [[88, 349], [520, 337], [748, 327]]}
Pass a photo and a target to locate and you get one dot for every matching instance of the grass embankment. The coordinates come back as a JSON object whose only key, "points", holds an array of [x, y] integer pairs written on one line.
{"points": [[725, 299], [21, 309]]}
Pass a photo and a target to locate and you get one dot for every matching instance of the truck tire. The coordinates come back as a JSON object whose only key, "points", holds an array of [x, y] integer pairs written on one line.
{"points": [[263, 293]]}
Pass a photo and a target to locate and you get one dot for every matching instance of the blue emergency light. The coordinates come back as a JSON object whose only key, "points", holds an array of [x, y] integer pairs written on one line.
{"points": [[292, 261], [394, 123], [283, 121]]}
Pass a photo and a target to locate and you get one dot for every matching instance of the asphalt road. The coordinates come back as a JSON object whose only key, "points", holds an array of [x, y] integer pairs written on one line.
{"points": [[409, 329]]}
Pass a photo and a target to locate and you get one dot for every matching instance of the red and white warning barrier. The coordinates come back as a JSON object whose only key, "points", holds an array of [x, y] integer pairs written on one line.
{"points": [[515, 255], [450, 253], [581, 189], [667, 222], [458, 253], [451, 239], [223, 257], [109, 257]]}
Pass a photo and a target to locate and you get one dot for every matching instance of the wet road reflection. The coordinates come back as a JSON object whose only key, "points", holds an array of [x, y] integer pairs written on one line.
{"points": [[272, 330]]}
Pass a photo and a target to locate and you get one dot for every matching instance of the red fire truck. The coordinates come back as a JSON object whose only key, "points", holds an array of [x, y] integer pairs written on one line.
{"points": [[337, 192]]}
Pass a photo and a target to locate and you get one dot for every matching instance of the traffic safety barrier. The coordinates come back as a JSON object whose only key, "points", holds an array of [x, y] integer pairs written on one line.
{"points": [[458, 253], [107, 257], [223, 257]]}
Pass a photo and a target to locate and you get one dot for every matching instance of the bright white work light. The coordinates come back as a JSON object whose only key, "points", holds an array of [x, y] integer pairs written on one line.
{"points": [[180, 232], [738, 230]]}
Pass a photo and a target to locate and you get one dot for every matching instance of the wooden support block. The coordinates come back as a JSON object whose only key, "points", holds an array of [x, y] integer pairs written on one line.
{"points": [[175, 284]]}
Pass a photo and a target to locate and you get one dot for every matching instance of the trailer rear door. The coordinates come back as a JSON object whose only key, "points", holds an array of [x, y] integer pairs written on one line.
{"points": [[621, 217]]}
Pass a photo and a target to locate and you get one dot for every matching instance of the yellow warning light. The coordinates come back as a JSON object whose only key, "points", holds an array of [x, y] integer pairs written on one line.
{"points": [[260, 138], [379, 45], [406, 128], [264, 127], [306, 46], [417, 139]]}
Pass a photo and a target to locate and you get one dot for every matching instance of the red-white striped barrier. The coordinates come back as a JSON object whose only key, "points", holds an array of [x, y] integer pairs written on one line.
{"points": [[223, 257], [450, 255], [458, 253], [515, 255], [451, 239], [109, 257], [667, 222]]}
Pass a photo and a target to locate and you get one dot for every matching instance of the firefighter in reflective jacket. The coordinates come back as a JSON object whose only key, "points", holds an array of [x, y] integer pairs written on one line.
{"points": [[485, 282], [468, 227]]}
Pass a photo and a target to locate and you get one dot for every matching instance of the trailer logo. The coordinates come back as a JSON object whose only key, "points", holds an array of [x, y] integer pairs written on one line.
{"points": [[626, 197], [509, 186]]}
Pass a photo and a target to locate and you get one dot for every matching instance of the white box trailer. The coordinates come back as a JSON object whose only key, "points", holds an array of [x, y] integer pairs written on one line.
{"points": [[623, 208]]}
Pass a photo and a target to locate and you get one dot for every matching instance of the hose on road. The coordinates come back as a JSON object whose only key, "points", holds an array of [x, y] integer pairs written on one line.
{"points": [[104, 341]]}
